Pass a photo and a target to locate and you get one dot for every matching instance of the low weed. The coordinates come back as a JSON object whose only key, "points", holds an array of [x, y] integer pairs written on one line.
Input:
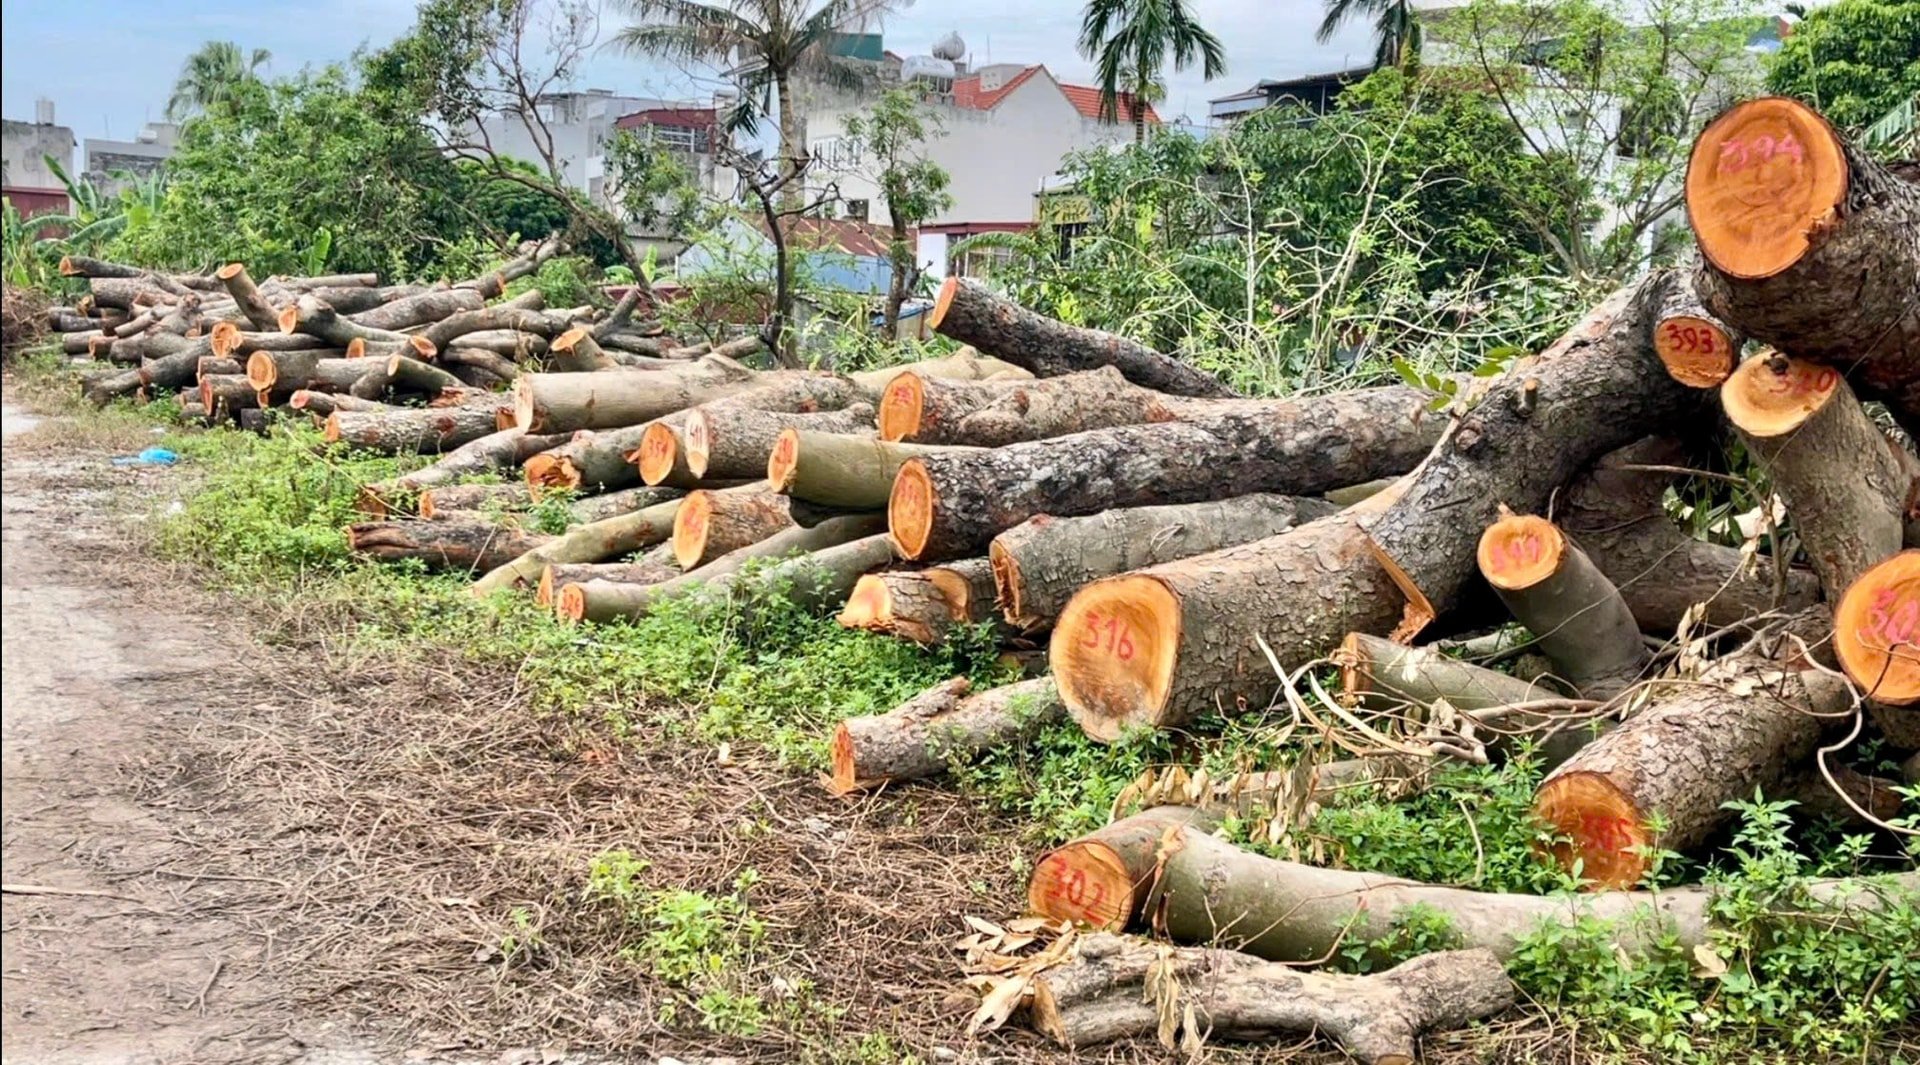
{"points": [[700, 944]]}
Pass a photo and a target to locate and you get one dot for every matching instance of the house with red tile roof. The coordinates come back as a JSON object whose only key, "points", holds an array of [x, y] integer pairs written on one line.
{"points": [[1004, 130]]}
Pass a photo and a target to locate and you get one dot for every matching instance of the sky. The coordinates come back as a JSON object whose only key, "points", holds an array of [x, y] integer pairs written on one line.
{"points": [[109, 66]]}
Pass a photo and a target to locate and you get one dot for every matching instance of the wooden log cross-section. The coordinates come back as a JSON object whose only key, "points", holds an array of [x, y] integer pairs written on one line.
{"points": [[1578, 617], [1876, 634], [952, 505], [922, 605], [711, 524], [967, 312], [855, 472], [1809, 245]]}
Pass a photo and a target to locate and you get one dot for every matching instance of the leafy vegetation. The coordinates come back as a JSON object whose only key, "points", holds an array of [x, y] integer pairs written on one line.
{"points": [[1858, 61]]}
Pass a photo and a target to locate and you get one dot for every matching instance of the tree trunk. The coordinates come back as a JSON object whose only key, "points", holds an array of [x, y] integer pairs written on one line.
{"points": [[949, 505], [969, 313], [456, 498], [734, 443], [575, 351], [1697, 349], [612, 399], [321, 404], [246, 295], [478, 363], [1826, 266], [1682, 760], [625, 501], [545, 325], [1166, 644], [1113, 988], [1598, 387], [443, 545], [1202, 889], [602, 601], [965, 364], [661, 457], [430, 306], [1040, 563], [711, 524], [900, 257], [225, 395], [903, 603], [314, 318], [499, 449], [595, 541], [1876, 635], [1846, 485], [855, 472], [1615, 512], [411, 429], [654, 567], [1579, 619], [942, 725]]}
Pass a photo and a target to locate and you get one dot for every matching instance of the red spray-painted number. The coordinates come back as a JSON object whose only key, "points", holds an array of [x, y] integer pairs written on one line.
{"points": [[1689, 338], [1109, 635], [1076, 891], [1736, 156], [1520, 551], [1613, 834], [1893, 617], [1803, 380]]}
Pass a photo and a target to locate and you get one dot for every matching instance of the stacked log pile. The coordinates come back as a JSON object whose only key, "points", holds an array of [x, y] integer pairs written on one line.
{"points": [[1183, 550]]}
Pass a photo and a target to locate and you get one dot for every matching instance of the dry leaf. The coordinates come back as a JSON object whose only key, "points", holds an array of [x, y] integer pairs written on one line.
{"points": [[1708, 964], [1003, 996]]}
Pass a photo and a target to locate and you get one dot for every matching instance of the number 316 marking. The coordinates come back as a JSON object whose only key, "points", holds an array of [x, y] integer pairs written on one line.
{"points": [[1116, 641]]}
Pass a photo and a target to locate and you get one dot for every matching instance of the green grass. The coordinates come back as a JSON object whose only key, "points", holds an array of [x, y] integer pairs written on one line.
{"points": [[761, 673]]}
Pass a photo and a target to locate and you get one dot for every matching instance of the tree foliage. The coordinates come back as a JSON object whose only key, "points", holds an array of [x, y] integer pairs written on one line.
{"points": [[1856, 60], [1131, 42], [212, 75], [893, 132], [1396, 28]]}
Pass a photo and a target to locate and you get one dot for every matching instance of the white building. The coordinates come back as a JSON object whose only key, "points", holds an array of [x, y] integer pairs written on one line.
{"points": [[579, 125], [1005, 129]]}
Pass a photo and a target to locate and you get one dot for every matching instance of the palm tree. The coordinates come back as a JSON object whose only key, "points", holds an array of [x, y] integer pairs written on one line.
{"points": [[1130, 42], [1393, 20], [768, 41], [210, 75]]}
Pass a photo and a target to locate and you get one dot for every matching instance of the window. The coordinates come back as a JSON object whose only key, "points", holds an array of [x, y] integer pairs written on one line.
{"points": [[857, 210], [837, 153]]}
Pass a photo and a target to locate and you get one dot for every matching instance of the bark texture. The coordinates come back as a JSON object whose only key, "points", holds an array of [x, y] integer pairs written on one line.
{"points": [[500, 449], [1040, 563], [855, 472], [596, 541], [952, 505], [610, 399], [734, 443], [443, 545], [711, 524], [411, 429], [969, 313], [1576, 615], [946, 723]]}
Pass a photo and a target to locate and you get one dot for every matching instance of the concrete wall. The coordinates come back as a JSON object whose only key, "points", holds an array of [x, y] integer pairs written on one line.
{"points": [[996, 158], [580, 125], [23, 144]]}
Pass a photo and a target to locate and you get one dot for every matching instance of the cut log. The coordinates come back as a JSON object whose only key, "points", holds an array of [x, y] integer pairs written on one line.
{"points": [[225, 395], [453, 498], [407, 430], [662, 455], [321, 404], [1615, 511], [532, 256], [1697, 349], [521, 319], [1599, 387], [929, 410], [1876, 632], [1682, 760], [1162, 646], [601, 601], [458, 360], [711, 524], [951, 505], [610, 399], [654, 567], [212, 364], [966, 311], [625, 501], [1576, 615], [497, 450], [417, 310], [903, 603], [1201, 889], [444, 545], [944, 724], [597, 541], [733, 443], [1113, 988], [574, 351], [1809, 245], [1846, 485], [246, 295], [855, 472], [312, 316], [967, 586], [1040, 563]]}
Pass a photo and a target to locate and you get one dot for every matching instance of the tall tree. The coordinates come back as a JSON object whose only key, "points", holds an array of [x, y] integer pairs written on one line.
{"points": [[768, 42], [210, 76], [915, 187], [1131, 41], [1396, 28], [1858, 61]]}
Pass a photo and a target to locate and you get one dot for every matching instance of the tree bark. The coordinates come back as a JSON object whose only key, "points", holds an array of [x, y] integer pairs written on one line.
{"points": [[1683, 759], [711, 524], [1845, 483], [1598, 387], [654, 567], [443, 545], [595, 541], [1161, 646], [225, 395], [855, 472], [1576, 615], [312, 316], [967, 312], [1698, 349], [1876, 635], [321, 404], [612, 399], [601, 601], [1826, 266], [574, 351], [1114, 988], [246, 295], [1202, 889], [625, 501], [499, 449], [456, 498], [950, 505], [947, 722], [545, 325], [1615, 511], [930, 410], [1040, 563], [730, 442], [903, 603], [411, 429], [430, 306]]}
